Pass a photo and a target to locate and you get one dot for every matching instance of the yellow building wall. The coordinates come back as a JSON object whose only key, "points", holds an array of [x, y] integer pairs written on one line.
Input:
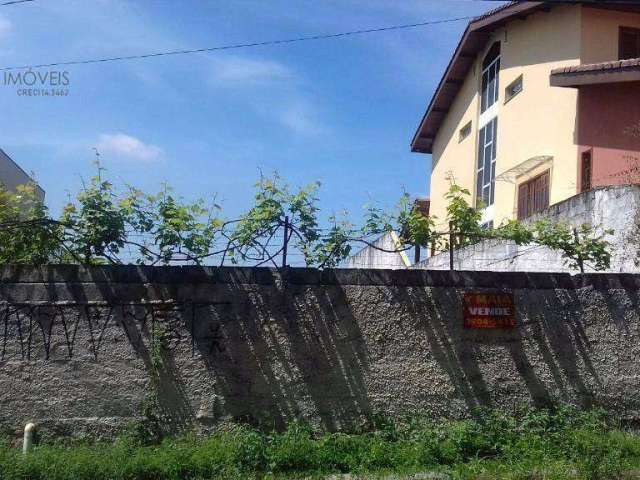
{"points": [[540, 120], [452, 156], [600, 33]]}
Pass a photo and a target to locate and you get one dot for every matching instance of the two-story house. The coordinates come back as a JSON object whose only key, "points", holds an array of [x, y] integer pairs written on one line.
{"points": [[540, 101]]}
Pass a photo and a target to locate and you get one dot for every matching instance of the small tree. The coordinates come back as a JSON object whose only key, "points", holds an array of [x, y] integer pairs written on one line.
{"points": [[463, 219], [413, 227], [174, 230], [333, 247], [275, 206], [27, 234], [95, 226]]}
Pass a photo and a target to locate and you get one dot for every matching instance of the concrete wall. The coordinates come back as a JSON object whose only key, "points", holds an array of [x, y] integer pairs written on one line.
{"points": [[614, 207], [382, 253], [332, 347]]}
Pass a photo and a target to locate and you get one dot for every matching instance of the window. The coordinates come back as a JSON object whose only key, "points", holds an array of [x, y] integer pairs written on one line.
{"points": [[533, 196], [486, 170], [629, 46], [585, 172], [490, 77], [487, 226], [465, 131], [488, 125], [513, 89]]}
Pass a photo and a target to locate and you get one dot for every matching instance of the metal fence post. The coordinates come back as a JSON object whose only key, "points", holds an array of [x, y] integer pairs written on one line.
{"points": [[286, 241], [576, 239], [450, 245]]}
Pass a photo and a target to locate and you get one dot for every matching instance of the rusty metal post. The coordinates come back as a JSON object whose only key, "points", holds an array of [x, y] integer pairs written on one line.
{"points": [[286, 242], [576, 239], [451, 240]]}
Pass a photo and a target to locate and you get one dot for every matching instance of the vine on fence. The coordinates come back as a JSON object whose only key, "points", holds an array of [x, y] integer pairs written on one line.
{"points": [[103, 225], [580, 247]]}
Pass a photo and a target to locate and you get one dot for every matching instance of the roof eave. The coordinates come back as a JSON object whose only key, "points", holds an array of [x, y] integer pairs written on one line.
{"points": [[597, 74], [482, 27], [419, 144]]}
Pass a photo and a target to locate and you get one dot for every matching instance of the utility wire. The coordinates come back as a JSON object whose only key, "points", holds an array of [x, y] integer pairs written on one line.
{"points": [[238, 45], [15, 2]]}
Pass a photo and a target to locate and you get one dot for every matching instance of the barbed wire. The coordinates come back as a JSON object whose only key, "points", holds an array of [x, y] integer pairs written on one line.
{"points": [[279, 243], [262, 247]]}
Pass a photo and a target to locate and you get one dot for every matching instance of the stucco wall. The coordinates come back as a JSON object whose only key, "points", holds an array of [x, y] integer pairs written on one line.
{"points": [[452, 156], [541, 120], [332, 347], [610, 128], [600, 33]]}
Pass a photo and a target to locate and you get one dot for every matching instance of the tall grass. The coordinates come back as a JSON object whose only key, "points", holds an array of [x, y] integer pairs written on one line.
{"points": [[564, 443]]}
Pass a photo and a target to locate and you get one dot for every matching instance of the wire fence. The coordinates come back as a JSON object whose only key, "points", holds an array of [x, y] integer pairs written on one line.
{"points": [[278, 244]]}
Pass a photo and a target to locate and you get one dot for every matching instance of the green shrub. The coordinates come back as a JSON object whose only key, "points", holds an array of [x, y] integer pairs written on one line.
{"points": [[294, 450], [249, 449], [536, 444]]}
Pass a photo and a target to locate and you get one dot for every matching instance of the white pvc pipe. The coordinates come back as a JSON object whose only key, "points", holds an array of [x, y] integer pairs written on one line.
{"points": [[29, 432]]}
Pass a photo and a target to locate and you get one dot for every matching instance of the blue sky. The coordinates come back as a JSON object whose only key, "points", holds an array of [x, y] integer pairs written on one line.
{"points": [[339, 111]]}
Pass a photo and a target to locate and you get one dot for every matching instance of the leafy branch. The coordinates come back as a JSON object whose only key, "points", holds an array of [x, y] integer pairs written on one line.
{"points": [[102, 225]]}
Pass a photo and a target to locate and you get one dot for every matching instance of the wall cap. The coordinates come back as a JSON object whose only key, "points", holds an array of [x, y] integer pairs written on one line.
{"points": [[176, 275]]}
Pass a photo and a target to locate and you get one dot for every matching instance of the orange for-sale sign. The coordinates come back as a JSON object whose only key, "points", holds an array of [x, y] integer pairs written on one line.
{"points": [[489, 310]]}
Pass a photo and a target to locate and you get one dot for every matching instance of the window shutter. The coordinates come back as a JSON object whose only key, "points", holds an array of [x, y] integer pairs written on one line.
{"points": [[531, 201], [585, 173], [541, 195], [629, 43], [523, 195], [545, 190], [536, 201], [533, 196]]}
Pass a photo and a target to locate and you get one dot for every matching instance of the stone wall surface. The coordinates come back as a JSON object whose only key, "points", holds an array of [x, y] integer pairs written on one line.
{"points": [[80, 345]]}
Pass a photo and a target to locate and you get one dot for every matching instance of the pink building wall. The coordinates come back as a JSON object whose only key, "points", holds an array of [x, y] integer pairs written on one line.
{"points": [[609, 126]]}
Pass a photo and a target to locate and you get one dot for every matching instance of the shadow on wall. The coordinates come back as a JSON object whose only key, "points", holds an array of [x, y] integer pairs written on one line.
{"points": [[286, 353], [167, 396], [547, 360], [271, 351]]}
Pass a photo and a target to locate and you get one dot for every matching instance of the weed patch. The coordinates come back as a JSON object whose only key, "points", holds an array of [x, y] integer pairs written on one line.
{"points": [[538, 444]]}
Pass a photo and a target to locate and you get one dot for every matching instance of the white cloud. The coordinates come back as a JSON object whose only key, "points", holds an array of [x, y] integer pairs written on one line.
{"points": [[233, 70], [128, 146], [278, 91], [300, 118], [5, 26]]}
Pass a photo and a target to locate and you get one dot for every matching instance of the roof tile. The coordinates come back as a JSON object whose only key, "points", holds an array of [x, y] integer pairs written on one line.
{"points": [[598, 67]]}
